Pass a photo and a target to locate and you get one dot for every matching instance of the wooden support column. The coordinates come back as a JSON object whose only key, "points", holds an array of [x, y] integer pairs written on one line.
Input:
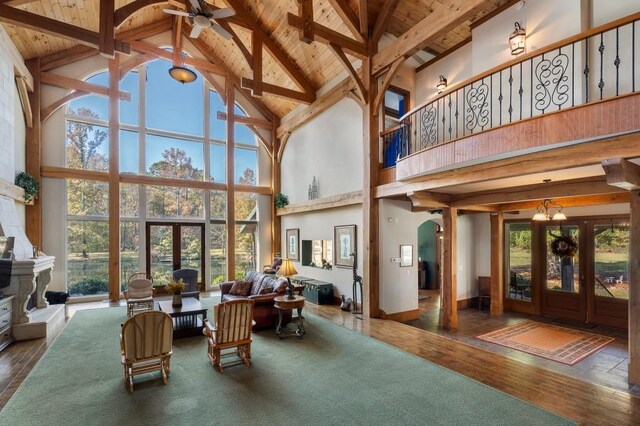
{"points": [[256, 48], [276, 182], [497, 264], [231, 197], [634, 289], [114, 178], [305, 10], [449, 267], [370, 204], [34, 156]]}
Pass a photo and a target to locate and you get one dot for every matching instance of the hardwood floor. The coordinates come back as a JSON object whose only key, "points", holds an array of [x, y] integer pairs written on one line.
{"points": [[558, 392]]}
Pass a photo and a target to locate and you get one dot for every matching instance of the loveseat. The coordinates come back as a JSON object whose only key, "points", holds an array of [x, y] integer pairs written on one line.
{"points": [[263, 289]]}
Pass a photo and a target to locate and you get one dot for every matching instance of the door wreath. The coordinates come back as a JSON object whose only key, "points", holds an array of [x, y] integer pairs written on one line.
{"points": [[564, 246]]}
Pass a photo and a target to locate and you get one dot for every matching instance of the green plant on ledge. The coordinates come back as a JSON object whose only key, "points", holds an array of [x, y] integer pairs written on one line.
{"points": [[30, 185], [281, 200]]}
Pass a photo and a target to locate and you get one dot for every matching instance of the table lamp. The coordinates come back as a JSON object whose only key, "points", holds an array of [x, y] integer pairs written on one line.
{"points": [[287, 270]]}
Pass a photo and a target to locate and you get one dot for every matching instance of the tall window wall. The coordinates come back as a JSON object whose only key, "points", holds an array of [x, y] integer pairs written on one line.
{"points": [[167, 130]]}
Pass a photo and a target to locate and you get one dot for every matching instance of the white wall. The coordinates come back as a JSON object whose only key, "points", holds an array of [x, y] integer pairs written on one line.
{"points": [[456, 68], [603, 11], [8, 116], [329, 148]]}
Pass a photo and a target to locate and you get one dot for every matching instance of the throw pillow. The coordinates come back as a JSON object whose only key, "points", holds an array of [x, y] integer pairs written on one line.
{"points": [[266, 290], [241, 288], [280, 286]]}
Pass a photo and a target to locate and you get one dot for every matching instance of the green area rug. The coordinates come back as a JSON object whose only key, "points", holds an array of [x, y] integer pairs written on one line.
{"points": [[332, 376]]}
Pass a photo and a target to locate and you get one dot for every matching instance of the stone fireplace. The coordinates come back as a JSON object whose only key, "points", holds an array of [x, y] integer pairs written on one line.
{"points": [[28, 280]]}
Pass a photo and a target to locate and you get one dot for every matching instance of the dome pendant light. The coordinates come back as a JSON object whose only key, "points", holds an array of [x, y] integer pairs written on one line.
{"points": [[181, 73]]}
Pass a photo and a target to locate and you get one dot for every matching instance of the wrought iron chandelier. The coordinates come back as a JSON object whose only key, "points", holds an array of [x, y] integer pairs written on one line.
{"points": [[545, 209]]}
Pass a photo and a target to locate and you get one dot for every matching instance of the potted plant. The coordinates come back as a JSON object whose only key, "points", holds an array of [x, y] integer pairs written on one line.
{"points": [[281, 200], [176, 288], [30, 185]]}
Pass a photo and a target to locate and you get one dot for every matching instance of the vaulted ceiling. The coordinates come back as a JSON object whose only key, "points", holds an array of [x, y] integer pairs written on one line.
{"points": [[316, 61]]}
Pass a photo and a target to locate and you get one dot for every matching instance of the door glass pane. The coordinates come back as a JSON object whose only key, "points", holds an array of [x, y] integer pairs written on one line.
{"points": [[191, 248], [519, 261], [611, 259], [563, 273], [161, 243], [218, 253]]}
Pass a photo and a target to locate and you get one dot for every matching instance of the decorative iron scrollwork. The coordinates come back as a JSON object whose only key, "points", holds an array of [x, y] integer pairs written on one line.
{"points": [[552, 86], [429, 127], [477, 107]]}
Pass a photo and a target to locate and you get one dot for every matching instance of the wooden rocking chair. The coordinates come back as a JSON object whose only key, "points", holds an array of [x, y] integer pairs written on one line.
{"points": [[233, 322], [145, 344], [139, 293]]}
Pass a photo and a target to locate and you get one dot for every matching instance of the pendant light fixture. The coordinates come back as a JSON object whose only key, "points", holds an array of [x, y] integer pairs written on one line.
{"points": [[545, 209], [181, 73]]}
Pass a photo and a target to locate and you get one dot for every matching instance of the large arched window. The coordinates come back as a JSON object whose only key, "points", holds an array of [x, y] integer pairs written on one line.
{"points": [[165, 132]]}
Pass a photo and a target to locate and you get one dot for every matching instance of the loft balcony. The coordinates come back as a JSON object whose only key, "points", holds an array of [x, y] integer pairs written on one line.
{"points": [[578, 90]]}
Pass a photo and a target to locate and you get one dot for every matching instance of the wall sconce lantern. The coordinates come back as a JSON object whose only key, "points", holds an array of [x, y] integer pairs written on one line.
{"points": [[517, 39], [442, 84], [544, 211]]}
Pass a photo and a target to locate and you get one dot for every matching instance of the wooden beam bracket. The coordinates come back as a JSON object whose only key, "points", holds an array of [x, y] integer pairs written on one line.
{"points": [[622, 173]]}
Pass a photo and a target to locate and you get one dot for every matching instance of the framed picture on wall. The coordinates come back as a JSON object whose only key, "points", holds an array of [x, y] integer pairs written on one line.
{"points": [[345, 245], [293, 244], [406, 255]]}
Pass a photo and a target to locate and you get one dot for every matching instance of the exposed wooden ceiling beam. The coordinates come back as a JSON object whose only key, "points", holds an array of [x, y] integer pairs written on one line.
{"points": [[305, 10], [19, 66], [122, 13], [204, 49], [73, 84], [146, 30], [562, 188], [42, 24], [24, 101], [337, 50], [107, 29], [443, 54], [586, 200], [441, 20], [141, 58], [349, 17], [217, 86], [249, 121], [256, 48], [48, 111], [243, 49], [382, 21], [393, 70], [327, 35], [426, 199], [176, 40], [67, 56], [144, 47], [622, 173], [279, 91], [287, 62], [14, 3], [363, 14]]}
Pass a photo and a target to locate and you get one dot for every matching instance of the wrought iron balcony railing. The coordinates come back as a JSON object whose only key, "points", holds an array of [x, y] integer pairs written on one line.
{"points": [[591, 66]]}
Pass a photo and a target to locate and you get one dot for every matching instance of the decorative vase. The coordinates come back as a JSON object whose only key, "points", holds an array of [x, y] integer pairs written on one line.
{"points": [[177, 300]]}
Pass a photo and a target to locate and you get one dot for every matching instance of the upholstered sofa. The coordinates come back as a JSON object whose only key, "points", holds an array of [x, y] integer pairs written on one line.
{"points": [[263, 290]]}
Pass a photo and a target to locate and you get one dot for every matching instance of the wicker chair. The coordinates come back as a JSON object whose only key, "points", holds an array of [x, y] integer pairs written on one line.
{"points": [[139, 293], [145, 344], [234, 320]]}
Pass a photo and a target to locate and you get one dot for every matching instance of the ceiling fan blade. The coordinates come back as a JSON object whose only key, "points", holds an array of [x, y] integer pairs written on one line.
{"points": [[176, 12], [195, 5], [195, 32], [224, 33], [223, 13]]}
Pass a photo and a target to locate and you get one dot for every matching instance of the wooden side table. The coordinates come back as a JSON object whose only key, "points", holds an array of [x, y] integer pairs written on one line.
{"points": [[282, 304]]}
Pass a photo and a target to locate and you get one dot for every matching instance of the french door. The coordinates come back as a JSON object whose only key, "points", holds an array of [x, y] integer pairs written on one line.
{"points": [[591, 286], [172, 246]]}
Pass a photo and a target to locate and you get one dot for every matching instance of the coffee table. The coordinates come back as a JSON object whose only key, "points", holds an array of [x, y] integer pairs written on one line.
{"points": [[188, 320]]}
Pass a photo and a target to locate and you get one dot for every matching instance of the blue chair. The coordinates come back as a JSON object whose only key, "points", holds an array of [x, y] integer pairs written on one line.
{"points": [[190, 279]]}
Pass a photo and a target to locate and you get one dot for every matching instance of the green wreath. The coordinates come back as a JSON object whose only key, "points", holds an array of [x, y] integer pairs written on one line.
{"points": [[564, 246]]}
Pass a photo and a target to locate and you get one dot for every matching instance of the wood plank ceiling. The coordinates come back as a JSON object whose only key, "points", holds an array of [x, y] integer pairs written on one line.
{"points": [[317, 62]]}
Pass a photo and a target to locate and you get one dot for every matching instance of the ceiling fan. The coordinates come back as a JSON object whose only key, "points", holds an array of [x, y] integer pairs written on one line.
{"points": [[204, 17]]}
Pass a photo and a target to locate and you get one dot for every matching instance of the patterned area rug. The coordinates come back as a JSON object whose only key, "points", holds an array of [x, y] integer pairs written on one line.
{"points": [[548, 341]]}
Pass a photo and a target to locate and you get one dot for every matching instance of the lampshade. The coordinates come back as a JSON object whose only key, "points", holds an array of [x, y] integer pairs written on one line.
{"points": [[182, 74], [544, 211], [286, 269], [517, 39], [442, 84]]}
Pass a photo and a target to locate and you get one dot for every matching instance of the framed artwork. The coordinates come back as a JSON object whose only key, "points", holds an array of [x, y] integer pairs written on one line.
{"points": [[406, 255], [293, 244], [345, 244]]}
